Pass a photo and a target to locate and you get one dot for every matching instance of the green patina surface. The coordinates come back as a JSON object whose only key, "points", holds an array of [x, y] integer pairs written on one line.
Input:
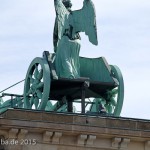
{"points": [[38, 80], [96, 69], [66, 63], [68, 25]]}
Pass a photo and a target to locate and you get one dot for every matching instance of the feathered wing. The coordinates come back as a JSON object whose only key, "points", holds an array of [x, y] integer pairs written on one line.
{"points": [[84, 20], [61, 21]]}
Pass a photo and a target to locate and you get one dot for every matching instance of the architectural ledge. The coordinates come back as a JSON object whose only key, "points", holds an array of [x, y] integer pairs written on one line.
{"points": [[70, 131]]}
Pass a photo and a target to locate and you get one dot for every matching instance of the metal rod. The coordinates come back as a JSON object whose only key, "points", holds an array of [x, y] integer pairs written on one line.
{"points": [[70, 106], [11, 101], [12, 86], [83, 100], [8, 94]]}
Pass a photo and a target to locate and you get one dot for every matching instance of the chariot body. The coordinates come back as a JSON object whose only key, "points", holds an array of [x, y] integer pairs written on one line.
{"points": [[99, 81]]}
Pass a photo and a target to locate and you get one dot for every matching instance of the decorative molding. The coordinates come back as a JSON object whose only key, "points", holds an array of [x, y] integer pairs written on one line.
{"points": [[81, 140], [13, 133], [46, 136], [56, 137], [124, 143], [22, 133], [147, 145], [90, 140], [115, 142], [4, 133]]}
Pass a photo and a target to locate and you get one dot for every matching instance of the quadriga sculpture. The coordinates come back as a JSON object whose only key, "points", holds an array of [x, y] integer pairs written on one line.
{"points": [[66, 78]]}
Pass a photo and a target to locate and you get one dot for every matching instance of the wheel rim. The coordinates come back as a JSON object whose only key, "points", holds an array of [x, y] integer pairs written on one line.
{"points": [[37, 85], [116, 73], [112, 100]]}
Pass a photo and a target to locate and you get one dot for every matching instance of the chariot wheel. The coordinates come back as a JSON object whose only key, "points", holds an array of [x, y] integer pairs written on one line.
{"points": [[120, 89], [112, 101], [37, 85], [114, 98]]}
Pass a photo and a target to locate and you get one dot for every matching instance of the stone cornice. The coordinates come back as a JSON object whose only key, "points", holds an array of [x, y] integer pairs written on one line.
{"points": [[75, 123], [81, 130]]}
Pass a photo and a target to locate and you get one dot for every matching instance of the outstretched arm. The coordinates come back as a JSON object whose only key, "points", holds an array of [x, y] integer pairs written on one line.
{"points": [[59, 28]]}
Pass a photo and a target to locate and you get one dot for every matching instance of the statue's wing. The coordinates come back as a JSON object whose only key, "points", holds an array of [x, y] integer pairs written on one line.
{"points": [[61, 21], [85, 21]]}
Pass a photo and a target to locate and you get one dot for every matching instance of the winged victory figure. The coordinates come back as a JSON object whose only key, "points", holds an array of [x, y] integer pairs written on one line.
{"points": [[66, 37]]}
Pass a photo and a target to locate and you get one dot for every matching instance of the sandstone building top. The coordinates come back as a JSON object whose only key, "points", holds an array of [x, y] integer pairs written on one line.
{"points": [[61, 131]]}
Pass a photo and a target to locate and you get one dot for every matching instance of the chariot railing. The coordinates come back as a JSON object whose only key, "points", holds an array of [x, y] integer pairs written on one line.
{"points": [[11, 100]]}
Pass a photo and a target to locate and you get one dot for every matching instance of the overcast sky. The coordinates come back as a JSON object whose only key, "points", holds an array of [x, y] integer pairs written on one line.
{"points": [[26, 29]]}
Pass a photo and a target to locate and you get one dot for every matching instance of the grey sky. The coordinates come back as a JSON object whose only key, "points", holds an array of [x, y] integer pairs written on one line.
{"points": [[26, 29]]}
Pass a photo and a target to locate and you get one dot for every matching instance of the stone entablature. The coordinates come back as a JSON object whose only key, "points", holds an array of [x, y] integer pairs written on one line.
{"points": [[57, 131]]}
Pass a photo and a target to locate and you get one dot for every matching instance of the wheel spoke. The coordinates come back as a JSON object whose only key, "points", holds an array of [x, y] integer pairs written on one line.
{"points": [[36, 102], [31, 79], [31, 101], [40, 74], [35, 84], [39, 94], [36, 72], [29, 92], [40, 85]]}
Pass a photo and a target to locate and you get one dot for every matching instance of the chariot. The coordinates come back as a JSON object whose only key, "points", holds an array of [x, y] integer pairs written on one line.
{"points": [[99, 81]]}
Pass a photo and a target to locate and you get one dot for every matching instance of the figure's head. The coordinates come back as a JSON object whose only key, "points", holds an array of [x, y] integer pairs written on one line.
{"points": [[67, 3]]}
